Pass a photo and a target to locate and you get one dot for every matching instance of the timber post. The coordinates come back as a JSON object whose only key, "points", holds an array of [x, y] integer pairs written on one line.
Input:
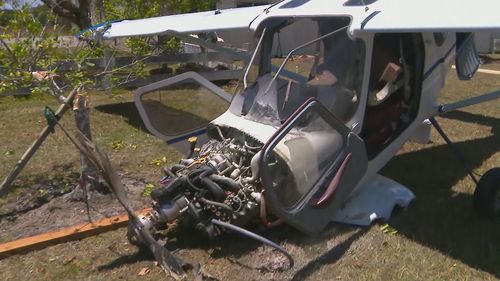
{"points": [[7, 182], [89, 175]]}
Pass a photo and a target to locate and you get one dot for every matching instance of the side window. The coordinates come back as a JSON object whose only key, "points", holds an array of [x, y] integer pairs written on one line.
{"points": [[181, 108], [180, 105]]}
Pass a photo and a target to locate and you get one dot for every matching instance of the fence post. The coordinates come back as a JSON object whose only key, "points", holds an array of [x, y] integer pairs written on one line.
{"points": [[6, 184]]}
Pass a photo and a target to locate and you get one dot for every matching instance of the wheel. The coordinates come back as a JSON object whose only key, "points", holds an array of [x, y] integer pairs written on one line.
{"points": [[487, 195]]}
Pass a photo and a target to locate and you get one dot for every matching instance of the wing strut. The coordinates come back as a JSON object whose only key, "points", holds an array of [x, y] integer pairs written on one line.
{"points": [[468, 102]]}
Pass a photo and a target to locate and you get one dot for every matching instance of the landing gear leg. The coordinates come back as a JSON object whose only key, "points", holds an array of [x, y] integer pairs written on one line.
{"points": [[487, 192]]}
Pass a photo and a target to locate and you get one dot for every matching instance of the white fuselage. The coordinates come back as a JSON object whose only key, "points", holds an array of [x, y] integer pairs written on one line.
{"points": [[437, 62]]}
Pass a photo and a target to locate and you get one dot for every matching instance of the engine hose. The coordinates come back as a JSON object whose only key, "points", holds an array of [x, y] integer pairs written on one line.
{"points": [[220, 133], [194, 173], [223, 206], [169, 173], [168, 189], [175, 168], [256, 237], [194, 186], [201, 171], [254, 166], [226, 183], [252, 147], [207, 173], [215, 189]]}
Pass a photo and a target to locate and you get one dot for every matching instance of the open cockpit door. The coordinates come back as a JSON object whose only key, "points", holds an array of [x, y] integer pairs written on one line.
{"points": [[180, 107], [310, 166]]}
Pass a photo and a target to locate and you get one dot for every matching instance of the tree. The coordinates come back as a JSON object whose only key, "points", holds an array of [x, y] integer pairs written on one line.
{"points": [[31, 59], [28, 44], [79, 13], [30, 51]]}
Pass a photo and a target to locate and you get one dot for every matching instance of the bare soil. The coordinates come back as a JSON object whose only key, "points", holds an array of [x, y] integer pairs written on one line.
{"points": [[49, 206]]}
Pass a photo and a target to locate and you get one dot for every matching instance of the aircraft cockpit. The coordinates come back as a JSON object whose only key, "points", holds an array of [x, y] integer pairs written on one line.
{"points": [[300, 59]]}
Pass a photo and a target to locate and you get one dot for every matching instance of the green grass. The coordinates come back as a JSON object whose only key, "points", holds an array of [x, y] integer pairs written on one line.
{"points": [[439, 237], [113, 119]]}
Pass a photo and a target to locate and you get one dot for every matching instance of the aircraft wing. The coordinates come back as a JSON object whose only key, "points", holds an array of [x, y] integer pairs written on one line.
{"points": [[432, 15], [183, 23]]}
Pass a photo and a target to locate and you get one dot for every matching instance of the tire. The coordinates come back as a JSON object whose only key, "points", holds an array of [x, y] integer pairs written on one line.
{"points": [[486, 195]]}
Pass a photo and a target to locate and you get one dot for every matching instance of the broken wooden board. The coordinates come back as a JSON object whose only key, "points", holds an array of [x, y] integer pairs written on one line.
{"points": [[65, 235]]}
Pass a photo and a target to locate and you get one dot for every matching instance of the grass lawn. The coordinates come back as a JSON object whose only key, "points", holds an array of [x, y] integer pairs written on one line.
{"points": [[115, 124], [439, 237]]}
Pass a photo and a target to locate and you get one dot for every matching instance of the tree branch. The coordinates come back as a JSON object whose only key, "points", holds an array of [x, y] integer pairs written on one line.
{"points": [[7, 48], [62, 4], [60, 11], [78, 15], [122, 67]]}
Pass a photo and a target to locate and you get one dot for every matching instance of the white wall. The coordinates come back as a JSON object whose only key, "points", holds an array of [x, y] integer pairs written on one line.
{"points": [[484, 41]]}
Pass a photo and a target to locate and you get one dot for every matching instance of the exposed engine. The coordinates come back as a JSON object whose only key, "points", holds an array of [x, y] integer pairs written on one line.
{"points": [[221, 182]]}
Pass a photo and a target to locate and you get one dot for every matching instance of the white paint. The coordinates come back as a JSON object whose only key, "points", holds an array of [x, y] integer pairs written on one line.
{"points": [[185, 23], [434, 16], [392, 16]]}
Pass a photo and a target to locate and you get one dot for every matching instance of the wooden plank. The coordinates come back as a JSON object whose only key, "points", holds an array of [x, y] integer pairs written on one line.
{"points": [[65, 235], [483, 70]]}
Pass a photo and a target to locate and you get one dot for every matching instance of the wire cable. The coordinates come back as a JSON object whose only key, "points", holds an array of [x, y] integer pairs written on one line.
{"points": [[256, 237]]}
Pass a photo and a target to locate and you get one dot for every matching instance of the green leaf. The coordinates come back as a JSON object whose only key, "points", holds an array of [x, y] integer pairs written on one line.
{"points": [[388, 229], [156, 162], [118, 145], [148, 189]]}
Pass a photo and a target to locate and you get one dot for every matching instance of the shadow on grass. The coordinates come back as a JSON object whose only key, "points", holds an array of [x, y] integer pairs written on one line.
{"points": [[141, 255], [165, 119], [330, 257], [236, 245], [441, 218], [127, 110]]}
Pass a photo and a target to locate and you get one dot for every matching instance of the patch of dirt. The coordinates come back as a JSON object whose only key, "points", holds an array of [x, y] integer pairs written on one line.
{"points": [[46, 207]]}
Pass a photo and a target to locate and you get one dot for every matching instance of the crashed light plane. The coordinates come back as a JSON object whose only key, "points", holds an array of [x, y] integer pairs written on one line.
{"points": [[303, 141]]}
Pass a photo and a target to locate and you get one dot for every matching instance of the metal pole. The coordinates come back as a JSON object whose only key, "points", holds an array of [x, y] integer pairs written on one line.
{"points": [[6, 184], [468, 102]]}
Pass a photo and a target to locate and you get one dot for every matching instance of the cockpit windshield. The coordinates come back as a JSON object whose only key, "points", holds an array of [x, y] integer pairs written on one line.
{"points": [[304, 58]]}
